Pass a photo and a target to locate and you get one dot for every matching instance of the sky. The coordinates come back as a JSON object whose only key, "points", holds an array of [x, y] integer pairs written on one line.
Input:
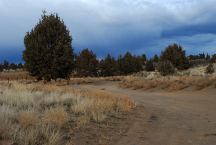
{"points": [[114, 26]]}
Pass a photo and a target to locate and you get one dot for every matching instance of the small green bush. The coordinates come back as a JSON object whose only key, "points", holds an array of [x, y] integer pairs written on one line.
{"points": [[166, 68], [210, 69]]}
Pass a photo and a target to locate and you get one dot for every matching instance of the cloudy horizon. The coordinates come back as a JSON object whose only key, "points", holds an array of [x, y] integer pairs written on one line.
{"points": [[114, 26]]}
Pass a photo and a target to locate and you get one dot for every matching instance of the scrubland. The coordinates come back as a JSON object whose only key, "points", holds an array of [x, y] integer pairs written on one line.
{"points": [[15, 75], [194, 79], [42, 113], [45, 114], [174, 83]]}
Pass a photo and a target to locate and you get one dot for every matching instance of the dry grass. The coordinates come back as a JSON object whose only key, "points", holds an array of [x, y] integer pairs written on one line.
{"points": [[55, 116], [39, 113], [86, 80], [83, 120], [172, 83], [27, 118], [15, 75]]}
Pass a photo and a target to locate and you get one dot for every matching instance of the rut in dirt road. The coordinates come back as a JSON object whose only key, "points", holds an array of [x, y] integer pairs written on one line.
{"points": [[183, 118]]}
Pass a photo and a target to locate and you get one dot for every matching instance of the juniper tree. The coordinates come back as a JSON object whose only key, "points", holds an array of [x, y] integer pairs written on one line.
{"points": [[87, 63], [108, 66], [150, 65], [48, 50], [213, 58], [156, 58], [5, 64], [176, 55], [129, 64], [1, 68]]}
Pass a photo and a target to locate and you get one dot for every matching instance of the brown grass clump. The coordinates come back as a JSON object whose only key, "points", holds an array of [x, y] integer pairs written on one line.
{"points": [[83, 120], [176, 86], [55, 116], [204, 83], [100, 103], [38, 135], [27, 118]]}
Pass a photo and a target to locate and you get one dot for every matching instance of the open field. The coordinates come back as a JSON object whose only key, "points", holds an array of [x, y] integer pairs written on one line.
{"points": [[173, 83], [47, 114], [122, 110], [185, 117], [15, 75]]}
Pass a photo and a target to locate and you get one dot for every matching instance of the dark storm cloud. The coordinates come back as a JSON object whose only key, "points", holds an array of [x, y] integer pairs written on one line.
{"points": [[115, 26], [190, 30]]}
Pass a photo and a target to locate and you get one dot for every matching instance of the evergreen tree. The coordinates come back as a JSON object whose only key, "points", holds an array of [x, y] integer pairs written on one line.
{"points": [[143, 58], [120, 65], [13, 66], [6, 65], [150, 65], [1, 68], [20, 65], [208, 57], [139, 62], [213, 58], [87, 63], [176, 55], [108, 66], [49, 54], [129, 64], [156, 58]]}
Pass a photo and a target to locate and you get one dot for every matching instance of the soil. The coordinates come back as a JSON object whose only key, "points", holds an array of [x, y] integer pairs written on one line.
{"points": [[160, 118]]}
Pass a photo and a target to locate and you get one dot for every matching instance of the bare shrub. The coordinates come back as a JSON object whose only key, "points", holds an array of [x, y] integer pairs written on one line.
{"points": [[166, 68], [210, 69]]}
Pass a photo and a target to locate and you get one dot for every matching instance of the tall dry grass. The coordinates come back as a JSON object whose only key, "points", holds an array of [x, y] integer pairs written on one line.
{"points": [[172, 83], [39, 113], [15, 75]]}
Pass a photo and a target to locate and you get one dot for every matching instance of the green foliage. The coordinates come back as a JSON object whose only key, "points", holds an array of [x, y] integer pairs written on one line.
{"points": [[213, 59], [108, 66], [156, 58], [20, 65], [87, 63], [129, 64], [210, 69], [13, 66], [143, 58], [150, 66], [1, 67], [176, 55], [49, 54], [6, 64], [166, 68]]}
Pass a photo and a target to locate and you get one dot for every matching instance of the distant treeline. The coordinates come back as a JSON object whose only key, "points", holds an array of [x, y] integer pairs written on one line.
{"points": [[6, 65], [49, 55]]}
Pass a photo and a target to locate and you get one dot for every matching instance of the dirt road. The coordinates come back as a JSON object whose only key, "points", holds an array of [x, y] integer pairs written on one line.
{"points": [[161, 118]]}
